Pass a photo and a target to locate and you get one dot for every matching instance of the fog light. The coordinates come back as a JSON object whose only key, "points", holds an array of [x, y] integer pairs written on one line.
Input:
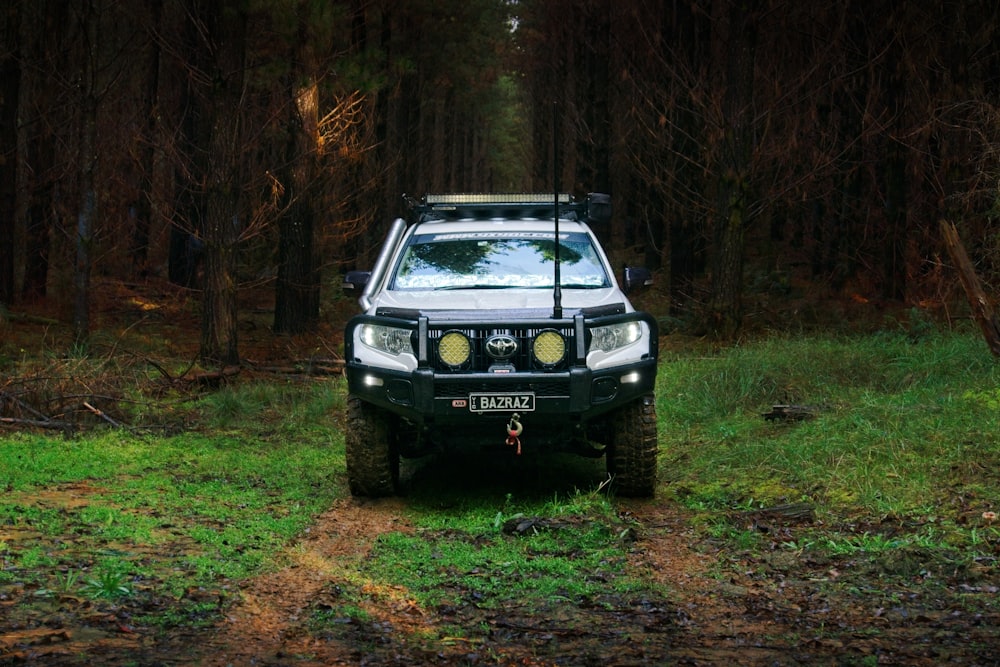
{"points": [[549, 347], [372, 381], [629, 378], [454, 348]]}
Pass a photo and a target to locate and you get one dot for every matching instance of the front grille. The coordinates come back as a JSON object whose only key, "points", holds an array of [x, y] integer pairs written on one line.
{"points": [[480, 362]]}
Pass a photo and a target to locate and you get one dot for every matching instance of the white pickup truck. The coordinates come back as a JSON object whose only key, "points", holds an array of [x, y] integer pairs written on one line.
{"points": [[498, 317]]}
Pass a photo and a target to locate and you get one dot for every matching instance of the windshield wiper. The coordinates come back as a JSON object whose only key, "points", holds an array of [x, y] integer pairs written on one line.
{"points": [[451, 287], [484, 286]]}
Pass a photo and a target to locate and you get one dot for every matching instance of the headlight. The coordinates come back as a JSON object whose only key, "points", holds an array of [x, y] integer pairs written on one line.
{"points": [[388, 339], [614, 336], [454, 348], [549, 348]]}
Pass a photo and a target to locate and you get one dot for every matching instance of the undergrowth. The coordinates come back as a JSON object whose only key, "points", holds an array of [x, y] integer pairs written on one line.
{"points": [[899, 464], [904, 438], [136, 518]]}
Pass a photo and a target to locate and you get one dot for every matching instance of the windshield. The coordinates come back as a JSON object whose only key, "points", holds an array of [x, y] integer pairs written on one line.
{"points": [[491, 260]]}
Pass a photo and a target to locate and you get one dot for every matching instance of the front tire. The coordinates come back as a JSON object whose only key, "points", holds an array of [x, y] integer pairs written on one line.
{"points": [[370, 450], [632, 450]]}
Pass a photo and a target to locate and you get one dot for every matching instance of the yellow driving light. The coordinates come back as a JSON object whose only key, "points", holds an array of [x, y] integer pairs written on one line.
{"points": [[454, 348], [549, 348]]}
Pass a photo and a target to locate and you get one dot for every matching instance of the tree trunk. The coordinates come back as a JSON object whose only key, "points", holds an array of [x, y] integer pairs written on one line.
{"points": [[10, 82], [226, 32], [219, 306], [732, 187], [725, 301], [186, 252], [981, 307], [141, 214], [38, 223], [296, 304], [894, 245], [41, 32], [86, 165]]}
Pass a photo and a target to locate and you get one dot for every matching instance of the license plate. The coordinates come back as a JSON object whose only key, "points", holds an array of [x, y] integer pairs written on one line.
{"points": [[501, 402]]}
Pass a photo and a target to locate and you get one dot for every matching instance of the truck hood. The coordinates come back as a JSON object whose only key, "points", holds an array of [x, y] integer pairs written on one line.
{"points": [[532, 301]]}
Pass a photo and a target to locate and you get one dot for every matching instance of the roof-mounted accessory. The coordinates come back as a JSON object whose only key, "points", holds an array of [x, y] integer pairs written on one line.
{"points": [[485, 206], [487, 198]]}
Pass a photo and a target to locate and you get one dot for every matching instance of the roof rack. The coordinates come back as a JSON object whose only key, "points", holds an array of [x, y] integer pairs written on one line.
{"points": [[484, 206]]}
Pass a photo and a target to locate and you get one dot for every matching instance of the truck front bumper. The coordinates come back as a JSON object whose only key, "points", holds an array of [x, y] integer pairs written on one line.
{"points": [[576, 395]]}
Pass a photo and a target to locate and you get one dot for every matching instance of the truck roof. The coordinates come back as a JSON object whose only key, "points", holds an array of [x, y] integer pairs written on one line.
{"points": [[469, 225], [522, 205]]}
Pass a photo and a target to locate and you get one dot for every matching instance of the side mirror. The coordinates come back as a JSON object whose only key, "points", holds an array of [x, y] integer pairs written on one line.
{"points": [[636, 277], [355, 282]]}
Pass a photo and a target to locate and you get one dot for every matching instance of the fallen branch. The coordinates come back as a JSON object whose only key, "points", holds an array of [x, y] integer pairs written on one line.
{"points": [[4, 396], [789, 513], [322, 366], [163, 371], [306, 369], [790, 413], [22, 317], [981, 307], [48, 423], [213, 378], [531, 525], [101, 414]]}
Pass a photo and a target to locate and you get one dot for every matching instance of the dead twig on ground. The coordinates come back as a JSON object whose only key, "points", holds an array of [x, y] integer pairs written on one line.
{"points": [[790, 413], [65, 427], [101, 414]]}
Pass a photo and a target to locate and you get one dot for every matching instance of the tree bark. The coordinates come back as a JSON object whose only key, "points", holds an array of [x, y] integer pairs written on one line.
{"points": [[738, 45], [10, 82], [982, 310], [86, 165], [42, 28], [226, 33], [186, 248], [141, 214], [296, 305]]}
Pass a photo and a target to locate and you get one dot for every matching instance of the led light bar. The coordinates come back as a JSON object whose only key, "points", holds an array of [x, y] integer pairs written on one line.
{"points": [[486, 198]]}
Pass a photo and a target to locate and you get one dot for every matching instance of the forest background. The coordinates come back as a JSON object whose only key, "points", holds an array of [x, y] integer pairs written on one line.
{"points": [[775, 162]]}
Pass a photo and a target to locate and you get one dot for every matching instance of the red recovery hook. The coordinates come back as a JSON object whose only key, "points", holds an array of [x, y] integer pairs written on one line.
{"points": [[514, 430]]}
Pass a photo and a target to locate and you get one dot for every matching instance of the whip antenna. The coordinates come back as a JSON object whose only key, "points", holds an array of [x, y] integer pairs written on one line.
{"points": [[557, 279]]}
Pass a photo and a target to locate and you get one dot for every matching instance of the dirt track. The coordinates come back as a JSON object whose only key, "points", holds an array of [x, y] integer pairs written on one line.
{"points": [[778, 616], [769, 606], [778, 608]]}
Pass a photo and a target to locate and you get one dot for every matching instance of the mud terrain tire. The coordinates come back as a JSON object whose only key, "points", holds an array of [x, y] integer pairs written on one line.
{"points": [[632, 450], [371, 452]]}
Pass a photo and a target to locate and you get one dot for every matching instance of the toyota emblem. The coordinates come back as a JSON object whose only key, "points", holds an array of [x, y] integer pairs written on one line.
{"points": [[501, 347]]}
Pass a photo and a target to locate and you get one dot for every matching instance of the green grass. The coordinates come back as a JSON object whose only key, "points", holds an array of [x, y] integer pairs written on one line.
{"points": [[467, 564], [571, 552], [903, 430], [892, 418], [110, 515], [906, 434]]}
